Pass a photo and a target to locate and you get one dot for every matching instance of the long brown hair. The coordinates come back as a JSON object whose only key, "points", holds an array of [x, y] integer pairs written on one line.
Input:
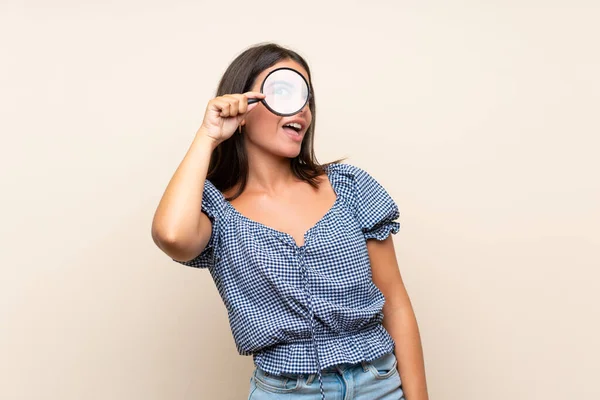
{"points": [[229, 161]]}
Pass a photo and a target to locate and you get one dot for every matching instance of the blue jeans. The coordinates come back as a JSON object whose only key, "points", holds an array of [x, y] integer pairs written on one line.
{"points": [[367, 380]]}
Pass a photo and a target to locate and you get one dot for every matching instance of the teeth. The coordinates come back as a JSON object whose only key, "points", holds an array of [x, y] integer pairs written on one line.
{"points": [[294, 125]]}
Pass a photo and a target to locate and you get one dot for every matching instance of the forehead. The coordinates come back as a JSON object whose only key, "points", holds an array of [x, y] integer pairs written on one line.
{"points": [[284, 63]]}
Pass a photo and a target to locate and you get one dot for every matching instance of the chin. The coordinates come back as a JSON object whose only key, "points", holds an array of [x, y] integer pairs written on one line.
{"points": [[285, 148], [288, 151], [281, 148]]}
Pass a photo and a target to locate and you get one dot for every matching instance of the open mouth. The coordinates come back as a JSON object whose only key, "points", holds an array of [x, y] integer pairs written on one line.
{"points": [[293, 128]]}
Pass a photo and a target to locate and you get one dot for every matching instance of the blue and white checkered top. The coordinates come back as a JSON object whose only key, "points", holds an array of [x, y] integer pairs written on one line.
{"points": [[299, 309]]}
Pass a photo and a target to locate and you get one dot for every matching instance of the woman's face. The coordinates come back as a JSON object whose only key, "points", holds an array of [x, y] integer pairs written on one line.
{"points": [[266, 130]]}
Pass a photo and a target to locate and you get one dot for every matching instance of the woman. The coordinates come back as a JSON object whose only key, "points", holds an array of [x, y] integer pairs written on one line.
{"points": [[301, 253]]}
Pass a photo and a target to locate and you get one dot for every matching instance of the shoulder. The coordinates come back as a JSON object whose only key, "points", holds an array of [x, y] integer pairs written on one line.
{"points": [[357, 185], [359, 181], [353, 174], [213, 201], [211, 190], [373, 206], [348, 170]]}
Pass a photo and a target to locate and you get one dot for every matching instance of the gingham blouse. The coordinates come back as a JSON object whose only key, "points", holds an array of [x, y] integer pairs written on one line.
{"points": [[299, 309]]}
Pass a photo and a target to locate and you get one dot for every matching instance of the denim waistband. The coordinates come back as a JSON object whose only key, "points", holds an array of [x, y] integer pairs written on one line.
{"points": [[339, 368]]}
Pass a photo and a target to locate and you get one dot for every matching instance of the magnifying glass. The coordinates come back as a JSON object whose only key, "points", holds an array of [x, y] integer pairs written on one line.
{"points": [[286, 92]]}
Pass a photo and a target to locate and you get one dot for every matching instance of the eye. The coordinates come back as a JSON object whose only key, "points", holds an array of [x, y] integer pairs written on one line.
{"points": [[280, 89]]}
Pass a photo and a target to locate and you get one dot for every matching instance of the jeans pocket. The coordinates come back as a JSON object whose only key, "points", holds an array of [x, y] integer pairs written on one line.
{"points": [[285, 383], [384, 366]]}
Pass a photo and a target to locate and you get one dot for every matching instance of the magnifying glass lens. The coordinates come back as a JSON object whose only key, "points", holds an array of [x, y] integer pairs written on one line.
{"points": [[286, 91]]}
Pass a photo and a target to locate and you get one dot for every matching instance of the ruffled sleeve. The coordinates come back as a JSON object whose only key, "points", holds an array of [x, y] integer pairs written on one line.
{"points": [[376, 211], [213, 205]]}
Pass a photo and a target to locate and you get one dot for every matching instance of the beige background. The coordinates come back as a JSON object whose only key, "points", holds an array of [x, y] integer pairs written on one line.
{"points": [[479, 117]]}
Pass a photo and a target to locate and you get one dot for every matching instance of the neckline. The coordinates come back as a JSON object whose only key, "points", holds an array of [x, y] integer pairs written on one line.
{"points": [[307, 233]]}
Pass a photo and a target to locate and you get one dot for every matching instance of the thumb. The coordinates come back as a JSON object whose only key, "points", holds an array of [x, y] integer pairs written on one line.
{"points": [[251, 107], [254, 96]]}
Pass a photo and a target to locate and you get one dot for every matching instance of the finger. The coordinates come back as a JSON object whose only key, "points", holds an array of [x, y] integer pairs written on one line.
{"points": [[234, 105], [215, 104], [222, 107], [225, 111], [251, 107], [243, 104], [255, 95]]}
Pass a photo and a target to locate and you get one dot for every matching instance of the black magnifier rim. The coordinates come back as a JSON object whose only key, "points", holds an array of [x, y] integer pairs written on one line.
{"points": [[267, 105]]}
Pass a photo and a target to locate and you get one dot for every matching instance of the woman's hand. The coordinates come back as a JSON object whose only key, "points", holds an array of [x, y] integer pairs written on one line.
{"points": [[224, 114]]}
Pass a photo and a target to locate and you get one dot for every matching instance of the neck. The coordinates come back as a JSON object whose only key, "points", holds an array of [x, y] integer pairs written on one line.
{"points": [[268, 173]]}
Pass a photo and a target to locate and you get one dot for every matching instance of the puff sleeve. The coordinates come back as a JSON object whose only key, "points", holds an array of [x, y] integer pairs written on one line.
{"points": [[213, 204], [376, 211]]}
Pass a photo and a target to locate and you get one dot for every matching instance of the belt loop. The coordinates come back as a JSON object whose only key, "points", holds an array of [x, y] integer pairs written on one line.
{"points": [[364, 366]]}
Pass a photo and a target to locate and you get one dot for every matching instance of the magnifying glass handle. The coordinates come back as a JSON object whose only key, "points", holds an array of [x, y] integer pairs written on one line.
{"points": [[253, 100]]}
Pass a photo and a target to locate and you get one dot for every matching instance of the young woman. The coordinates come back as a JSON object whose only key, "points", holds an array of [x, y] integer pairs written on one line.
{"points": [[301, 253]]}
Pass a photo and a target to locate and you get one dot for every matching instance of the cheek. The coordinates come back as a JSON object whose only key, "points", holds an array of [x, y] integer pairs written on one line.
{"points": [[308, 116], [262, 119]]}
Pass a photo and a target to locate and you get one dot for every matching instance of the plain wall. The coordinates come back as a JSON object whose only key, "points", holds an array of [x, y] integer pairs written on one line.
{"points": [[479, 117]]}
